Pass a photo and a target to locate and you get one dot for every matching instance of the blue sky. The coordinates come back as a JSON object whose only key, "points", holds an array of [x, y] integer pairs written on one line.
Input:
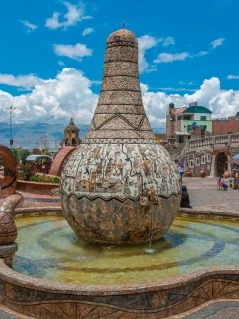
{"points": [[52, 52]]}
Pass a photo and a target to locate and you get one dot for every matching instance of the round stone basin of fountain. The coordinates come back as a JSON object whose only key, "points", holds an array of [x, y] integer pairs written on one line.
{"points": [[50, 250]]}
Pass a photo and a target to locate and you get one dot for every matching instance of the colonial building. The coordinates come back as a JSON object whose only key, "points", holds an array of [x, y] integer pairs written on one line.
{"points": [[71, 135], [186, 122]]}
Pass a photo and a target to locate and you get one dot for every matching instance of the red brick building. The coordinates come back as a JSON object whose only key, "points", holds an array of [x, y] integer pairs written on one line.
{"points": [[221, 126]]}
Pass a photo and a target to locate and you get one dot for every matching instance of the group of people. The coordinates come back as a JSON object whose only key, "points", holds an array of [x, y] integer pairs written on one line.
{"points": [[229, 182], [224, 183]]}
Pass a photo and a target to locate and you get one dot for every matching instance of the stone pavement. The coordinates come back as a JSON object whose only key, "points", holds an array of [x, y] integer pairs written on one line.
{"points": [[217, 310], [6, 313], [204, 195]]}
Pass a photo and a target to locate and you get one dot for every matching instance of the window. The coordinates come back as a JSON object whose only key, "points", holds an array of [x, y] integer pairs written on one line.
{"points": [[203, 127], [208, 157], [191, 163], [203, 160], [203, 118], [197, 162]]}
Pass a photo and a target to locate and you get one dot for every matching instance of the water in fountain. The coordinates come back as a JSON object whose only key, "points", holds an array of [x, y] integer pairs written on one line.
{"points": [[149, 249], [50, 250]]}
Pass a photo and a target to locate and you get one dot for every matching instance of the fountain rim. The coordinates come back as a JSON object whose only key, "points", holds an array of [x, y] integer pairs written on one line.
{"points": [[14, 277]]}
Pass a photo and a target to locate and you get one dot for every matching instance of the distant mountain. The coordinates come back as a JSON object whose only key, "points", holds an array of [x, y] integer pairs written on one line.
{"points": [[32, 134]]}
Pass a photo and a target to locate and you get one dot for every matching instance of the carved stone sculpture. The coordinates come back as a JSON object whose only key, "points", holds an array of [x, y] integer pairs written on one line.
{"points": [[120, 186]]}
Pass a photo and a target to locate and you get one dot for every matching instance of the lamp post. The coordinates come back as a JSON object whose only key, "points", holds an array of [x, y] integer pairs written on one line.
{"points": [[11, 109]]}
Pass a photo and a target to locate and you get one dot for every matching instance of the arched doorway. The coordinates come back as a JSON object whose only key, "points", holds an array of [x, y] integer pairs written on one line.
{"points": [[73, 142], [221, 164]]}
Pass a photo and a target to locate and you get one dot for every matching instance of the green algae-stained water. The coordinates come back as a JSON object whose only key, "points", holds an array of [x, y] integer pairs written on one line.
{"points": [[50, 250]]}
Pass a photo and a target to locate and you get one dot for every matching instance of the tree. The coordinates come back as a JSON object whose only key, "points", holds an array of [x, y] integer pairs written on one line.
{"points": [[25, 172], [45, 151], [16, 154], [23, 155], [36, 151]]}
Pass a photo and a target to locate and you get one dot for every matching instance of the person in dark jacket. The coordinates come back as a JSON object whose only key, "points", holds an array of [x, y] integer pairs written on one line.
{"points": [[185, 202]]}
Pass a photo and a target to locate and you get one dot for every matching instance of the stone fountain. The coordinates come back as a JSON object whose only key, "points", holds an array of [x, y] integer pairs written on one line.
{"points": [[120, 186]]}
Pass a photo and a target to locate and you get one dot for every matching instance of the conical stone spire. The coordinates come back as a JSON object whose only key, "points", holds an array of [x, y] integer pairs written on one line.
{"points": [[120, 112]]}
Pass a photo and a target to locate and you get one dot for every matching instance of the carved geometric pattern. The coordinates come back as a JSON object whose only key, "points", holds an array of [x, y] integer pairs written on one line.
{"points": [[116, 121], [159, 303], [123, 121], [145, 124], [122, 43]]}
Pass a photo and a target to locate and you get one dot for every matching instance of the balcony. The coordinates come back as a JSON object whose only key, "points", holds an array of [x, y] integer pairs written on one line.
{"points": [[213, 141]]}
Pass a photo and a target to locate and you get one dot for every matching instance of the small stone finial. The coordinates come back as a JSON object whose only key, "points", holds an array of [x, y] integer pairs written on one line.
{"points": [[72, 122], [123, 25]]}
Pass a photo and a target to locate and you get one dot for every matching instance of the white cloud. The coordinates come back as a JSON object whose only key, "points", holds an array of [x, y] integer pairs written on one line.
{"points": [[186, 83], [54, 100], [169, 58], [87, 31], [146, 42], [233, 77], [74, 14], [202, 53], [70, 94], [22, 81], [76, 52], [217, 42], [61, 63], [30, 26], [168, 41], [176, 89], [222, 103], [172, 57]]}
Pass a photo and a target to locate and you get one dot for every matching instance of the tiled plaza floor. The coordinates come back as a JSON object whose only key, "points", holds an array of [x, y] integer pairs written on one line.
{"points": [[9, 314], [218, 310], [204, 194]]}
